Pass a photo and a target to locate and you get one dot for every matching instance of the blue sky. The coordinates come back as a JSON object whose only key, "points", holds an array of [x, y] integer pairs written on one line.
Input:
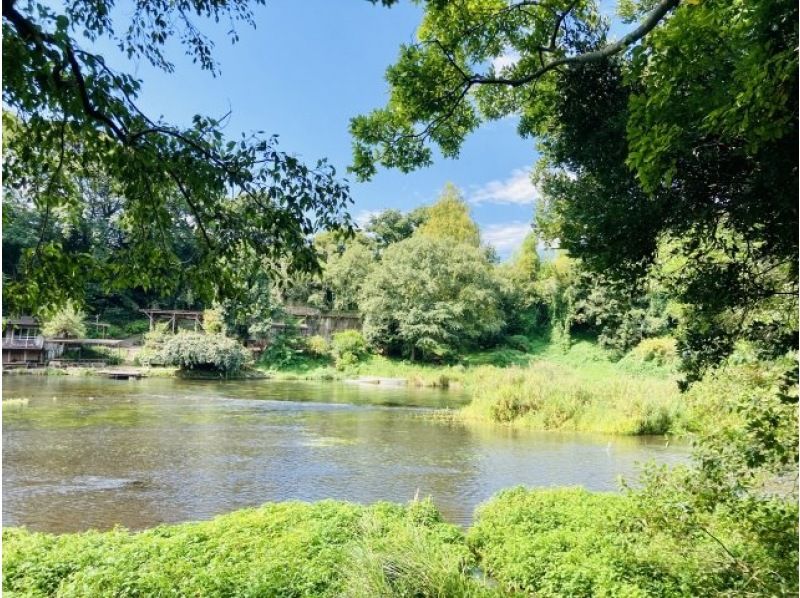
{"points": [[308, 68]]}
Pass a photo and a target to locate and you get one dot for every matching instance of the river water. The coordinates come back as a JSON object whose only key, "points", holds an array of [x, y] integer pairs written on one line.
{"points": [[81, 453]]}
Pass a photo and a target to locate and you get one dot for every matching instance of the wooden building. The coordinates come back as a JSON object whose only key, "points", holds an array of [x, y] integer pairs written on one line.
{"points": [[313, 321], [23, 343], [175, 318]]}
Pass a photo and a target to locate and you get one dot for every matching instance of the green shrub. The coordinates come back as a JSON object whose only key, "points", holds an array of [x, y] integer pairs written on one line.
{"points": [[519, 343], [348, 348], [66, 322], [150, 353], [317, 346], [285, 349], [197, 351], [735, 506], [214, 320], [136, 327], [660, 351], [286, 549], [501, 357], [570, 542]]}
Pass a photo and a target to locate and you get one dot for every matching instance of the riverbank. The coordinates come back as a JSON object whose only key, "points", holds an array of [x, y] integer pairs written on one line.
{"points": [[546, 388], [578, 390], [143, 372], [563, 542]]}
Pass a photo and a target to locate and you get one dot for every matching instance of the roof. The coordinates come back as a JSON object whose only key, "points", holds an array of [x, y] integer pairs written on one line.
{"points": [[22, 321], [305, 310], [173, 312]]}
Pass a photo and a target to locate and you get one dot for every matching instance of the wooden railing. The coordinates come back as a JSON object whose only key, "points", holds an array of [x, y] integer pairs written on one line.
{"points": [[23, 342]]}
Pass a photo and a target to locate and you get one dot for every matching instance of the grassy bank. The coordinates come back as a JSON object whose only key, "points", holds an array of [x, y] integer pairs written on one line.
{"points": [[547, 395], [565, 542], [544, 388], [288, 549], [570, 542]]}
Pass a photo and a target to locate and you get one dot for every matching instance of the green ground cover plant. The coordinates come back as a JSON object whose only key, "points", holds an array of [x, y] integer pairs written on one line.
{"points": [[571, 542], [282, 549]]}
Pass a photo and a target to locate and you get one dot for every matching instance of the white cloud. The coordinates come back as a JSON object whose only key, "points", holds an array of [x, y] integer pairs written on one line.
{"points": [[506, 237], [506, 59], [516, 189]]}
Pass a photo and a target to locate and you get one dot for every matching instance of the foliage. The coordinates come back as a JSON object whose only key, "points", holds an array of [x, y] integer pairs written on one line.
{"points": [[67, 322], [348, 348], [556, 286], [214, 320], [76, 142], [618, 314], [196, 351], [429, 298], [545, 395], [659, 351], [739, 495], [569, 542], [519, 282], [344, 275], [392, 226], [662, 147], [449, 218], [317, 346], [281, 549], [519, 342], [621, 314], [284, 349], [250, 311]]}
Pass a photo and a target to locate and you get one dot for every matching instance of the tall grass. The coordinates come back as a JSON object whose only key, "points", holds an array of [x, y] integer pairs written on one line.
{"points": [[550, 396], [546, 388]]}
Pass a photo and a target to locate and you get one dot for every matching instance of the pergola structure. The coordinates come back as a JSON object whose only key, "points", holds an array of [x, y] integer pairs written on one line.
{"points": [[173, 316]]}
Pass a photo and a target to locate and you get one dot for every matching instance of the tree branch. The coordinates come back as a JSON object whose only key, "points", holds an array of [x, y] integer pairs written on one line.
{"points": [[647, 25]]}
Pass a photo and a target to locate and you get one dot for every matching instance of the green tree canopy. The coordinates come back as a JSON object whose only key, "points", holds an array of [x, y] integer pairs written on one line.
{"points": [[73, 123], [344, 275], [391, 226], [667, 146], [430, 297], [449, 218], [67, 322]]}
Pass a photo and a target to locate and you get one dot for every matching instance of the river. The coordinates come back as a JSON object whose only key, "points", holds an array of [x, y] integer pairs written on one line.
{"points": [[86, 452]]}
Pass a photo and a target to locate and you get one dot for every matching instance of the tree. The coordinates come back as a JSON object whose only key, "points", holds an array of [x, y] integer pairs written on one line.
{"points": [[441, 88], [75, 121], [430, 298], [344, 274], [449, 218], [392, 226], [345, 263], [664, 146], [518, 280], [214, 320], [67, 322]]}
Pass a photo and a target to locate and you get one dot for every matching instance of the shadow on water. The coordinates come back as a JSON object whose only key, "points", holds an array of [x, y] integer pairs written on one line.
{"points": [[82, 453]]}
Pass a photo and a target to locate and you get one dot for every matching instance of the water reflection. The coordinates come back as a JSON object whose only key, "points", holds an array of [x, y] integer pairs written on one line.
{"points": [[92, 453]]}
